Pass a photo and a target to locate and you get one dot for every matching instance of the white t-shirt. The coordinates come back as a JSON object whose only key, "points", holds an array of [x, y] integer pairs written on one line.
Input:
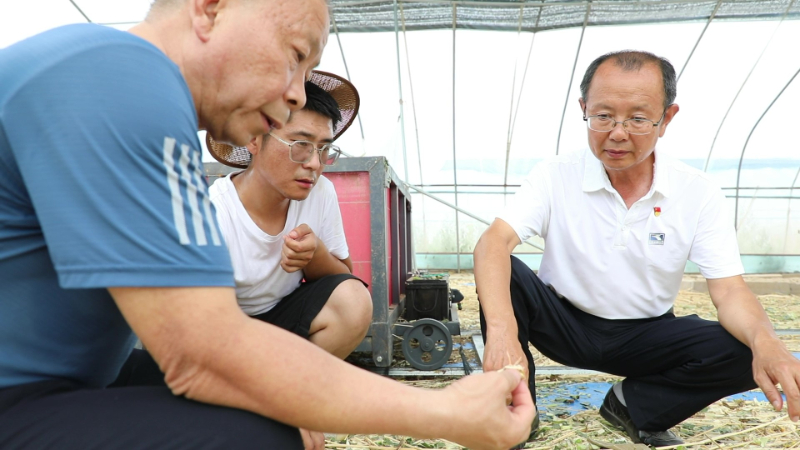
{"points": [[260, 281], [615, 262]]}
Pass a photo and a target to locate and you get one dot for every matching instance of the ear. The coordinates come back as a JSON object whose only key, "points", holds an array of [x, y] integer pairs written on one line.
{"points": [[668, 115], [583, 105], [203, 14], [254, 145]]}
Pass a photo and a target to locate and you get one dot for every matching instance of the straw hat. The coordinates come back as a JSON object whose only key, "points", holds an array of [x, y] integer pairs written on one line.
{"points": [[341, 90]]}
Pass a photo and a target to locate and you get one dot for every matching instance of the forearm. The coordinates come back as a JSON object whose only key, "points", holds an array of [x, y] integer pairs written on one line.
{"points": [[741, 314], [273, 376], [492, 279], [216, 354], [323, 264]]}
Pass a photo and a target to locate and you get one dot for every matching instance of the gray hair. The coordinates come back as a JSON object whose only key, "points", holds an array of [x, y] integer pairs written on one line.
{"points": [[157, 6], [629, 60]]}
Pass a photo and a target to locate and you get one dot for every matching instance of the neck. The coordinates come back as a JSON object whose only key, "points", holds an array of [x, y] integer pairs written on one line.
{"points": [[265, 205], [634, 182], [166, 34]]}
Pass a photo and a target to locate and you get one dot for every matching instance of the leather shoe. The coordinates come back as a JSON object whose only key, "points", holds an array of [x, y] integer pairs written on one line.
{"points": [[617, 414]]}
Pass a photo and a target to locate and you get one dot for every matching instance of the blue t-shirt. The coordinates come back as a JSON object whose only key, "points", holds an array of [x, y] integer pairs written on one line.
{"points": [[101, 185]]}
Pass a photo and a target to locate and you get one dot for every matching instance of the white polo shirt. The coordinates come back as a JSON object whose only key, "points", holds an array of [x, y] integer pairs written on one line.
{"points": [[615, 262]]}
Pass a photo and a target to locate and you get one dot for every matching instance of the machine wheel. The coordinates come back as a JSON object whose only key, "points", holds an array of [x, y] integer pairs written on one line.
{"points": [[427, 344]]}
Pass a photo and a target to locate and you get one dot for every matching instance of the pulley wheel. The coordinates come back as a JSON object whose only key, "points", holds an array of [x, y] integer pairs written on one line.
{"points": [[427, 344]]}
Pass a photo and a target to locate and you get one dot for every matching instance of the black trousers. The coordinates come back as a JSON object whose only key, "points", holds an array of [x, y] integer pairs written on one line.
{"points": [[674, 366], [61, 414]]}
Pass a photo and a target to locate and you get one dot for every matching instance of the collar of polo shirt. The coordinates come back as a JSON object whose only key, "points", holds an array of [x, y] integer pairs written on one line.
{"points": [[596, 178]]}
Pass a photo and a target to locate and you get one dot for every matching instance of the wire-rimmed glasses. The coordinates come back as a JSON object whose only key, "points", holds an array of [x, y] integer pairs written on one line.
{"points": [[635, 125], [301, 152]]}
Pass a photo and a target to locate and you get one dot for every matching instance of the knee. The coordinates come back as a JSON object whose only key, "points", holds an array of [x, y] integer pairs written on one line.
{"points": [[522, 276], [519, 269], [517, 264], [354, 305]]}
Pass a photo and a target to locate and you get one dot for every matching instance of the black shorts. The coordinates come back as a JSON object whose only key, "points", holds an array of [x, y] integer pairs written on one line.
{"points": [[296, 311]]}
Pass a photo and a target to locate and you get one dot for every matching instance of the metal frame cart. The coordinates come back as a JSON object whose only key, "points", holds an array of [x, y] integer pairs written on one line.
{"points": [[376, 214]]}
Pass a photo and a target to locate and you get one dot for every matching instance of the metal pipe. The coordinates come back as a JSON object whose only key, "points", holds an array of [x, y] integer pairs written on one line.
{"points": [[346, 70], [400, 89], [741, 158], [572, 76], [512, 122], [462, 211], [455, 168], [699, 38], [413, 101], [80, 11], [736, 97]]}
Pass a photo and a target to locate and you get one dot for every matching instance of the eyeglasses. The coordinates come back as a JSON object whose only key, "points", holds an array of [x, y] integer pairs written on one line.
{"points": [[635, 125], [301, 152]]}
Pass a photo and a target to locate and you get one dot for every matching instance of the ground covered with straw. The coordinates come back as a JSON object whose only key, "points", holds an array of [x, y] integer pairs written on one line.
{"points": [[724, 424]]}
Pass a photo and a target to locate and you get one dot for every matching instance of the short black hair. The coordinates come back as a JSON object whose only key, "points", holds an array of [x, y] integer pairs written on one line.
{"points": [[629, 60], [318, 100], [321, 102]]}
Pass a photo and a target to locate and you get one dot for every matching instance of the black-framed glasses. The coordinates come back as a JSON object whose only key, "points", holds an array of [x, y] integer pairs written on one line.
{"points": [[301, 152], [635, 125]]}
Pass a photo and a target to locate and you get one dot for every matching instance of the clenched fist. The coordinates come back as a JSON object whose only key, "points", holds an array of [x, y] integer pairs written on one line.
{"points": [[299, 246]]}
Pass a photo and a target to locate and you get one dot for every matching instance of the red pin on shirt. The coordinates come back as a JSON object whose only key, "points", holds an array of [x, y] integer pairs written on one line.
{"points": [[657, 211]]}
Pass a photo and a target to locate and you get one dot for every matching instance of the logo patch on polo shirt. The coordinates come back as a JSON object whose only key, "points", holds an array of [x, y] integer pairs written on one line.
{"points": [[656, 239]]}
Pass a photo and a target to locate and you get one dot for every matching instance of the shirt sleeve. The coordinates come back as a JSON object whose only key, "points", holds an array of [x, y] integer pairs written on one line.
{"points": [[715, 249], [107, 145], [332, 231], [528, 212]]}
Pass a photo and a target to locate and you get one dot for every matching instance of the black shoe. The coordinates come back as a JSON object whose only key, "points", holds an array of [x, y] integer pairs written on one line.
{"points": [[617, 414], [534, 430]]}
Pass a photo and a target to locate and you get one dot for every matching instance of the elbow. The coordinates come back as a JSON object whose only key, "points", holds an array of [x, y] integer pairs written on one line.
{"points": [[185, 373], [481, 244], [181, 374]]}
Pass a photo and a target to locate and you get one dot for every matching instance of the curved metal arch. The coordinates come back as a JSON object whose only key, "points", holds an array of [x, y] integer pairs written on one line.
{"points": [[513, 86], [746, 142], [455, 168], [400, 89], [513, 112], [700, 38], [413, 100], [736, 97], [572, 76], [346, 70]]}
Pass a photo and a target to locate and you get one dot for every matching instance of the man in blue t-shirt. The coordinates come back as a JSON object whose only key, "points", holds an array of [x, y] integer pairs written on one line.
{"points": [[106, 229]]}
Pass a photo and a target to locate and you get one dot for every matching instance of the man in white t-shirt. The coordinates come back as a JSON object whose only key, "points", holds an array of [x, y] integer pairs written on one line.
{"points": [[281, 222], [620, 222]]}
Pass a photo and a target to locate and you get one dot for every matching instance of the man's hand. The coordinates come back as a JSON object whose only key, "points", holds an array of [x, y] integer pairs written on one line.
{"points": [[484, 421], [500, 350], [299, 246], [743, 316], [773, 364], [312, 440]]}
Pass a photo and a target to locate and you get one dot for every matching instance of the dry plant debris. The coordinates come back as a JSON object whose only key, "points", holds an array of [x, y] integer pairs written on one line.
{"points": [[725, 424]]}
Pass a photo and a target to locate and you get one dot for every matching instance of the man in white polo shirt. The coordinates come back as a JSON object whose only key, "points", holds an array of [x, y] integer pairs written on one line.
{"points": [[619, 222]]}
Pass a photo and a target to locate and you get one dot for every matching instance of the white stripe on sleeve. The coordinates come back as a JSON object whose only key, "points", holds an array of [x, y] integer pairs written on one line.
{"points": [[191, 192], [212, 223], [177, 201]]}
